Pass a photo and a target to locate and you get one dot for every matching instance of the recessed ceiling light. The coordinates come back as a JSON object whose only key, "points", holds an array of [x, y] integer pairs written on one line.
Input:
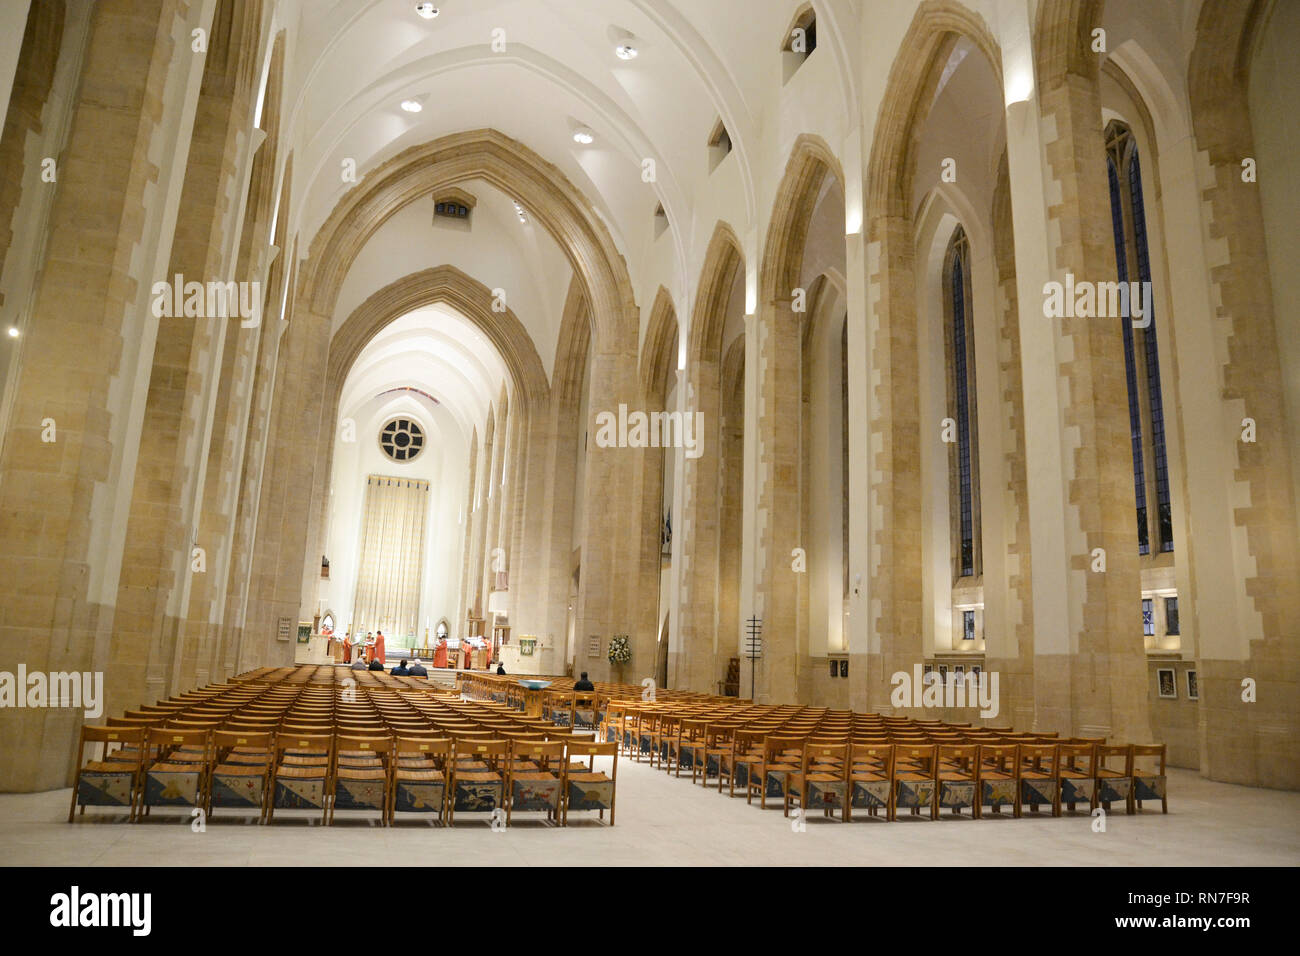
{"points": [[13, 332], [412, 106], [427, 10], [626, 51], [583, 135]]}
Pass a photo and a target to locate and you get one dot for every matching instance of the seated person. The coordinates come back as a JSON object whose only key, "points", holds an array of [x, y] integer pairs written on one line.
{"points": [[583, 683], [359, 663], [416, 669], [501, 668], [401, 670], [375, 665]]}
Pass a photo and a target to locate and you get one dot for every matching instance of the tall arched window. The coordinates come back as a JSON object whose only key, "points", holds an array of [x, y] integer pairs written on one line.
{"points": [[963, 457], [1141, 351]]}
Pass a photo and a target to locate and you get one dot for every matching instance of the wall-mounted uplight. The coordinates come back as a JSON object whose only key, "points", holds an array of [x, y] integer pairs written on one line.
{"points": [[519, 211], [625, 51], [584, 135], [412, 106], [427, 10], [13, 332]]}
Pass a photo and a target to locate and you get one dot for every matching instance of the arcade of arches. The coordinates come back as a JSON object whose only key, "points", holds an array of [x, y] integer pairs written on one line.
{"points": [[647, 318]]}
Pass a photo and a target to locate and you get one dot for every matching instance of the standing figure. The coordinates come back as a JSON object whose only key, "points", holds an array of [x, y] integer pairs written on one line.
{"points": [[440, 654], [347, 648], [379, 647]]}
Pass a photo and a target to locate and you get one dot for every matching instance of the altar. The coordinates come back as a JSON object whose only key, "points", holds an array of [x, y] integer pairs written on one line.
{"points": [[529, 654]]}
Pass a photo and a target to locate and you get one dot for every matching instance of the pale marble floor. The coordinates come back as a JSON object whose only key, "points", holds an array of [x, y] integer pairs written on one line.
{"points": [[662, 821]]}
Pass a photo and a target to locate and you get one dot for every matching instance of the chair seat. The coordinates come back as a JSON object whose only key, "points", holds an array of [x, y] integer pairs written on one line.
{"points": [[171, 766], [477, 776], [421, 775], [108, 766], [362, 773], [301, 772], [240, 770]]}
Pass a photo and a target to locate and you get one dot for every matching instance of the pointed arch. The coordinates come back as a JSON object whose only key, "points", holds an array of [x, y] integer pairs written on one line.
{"points": [[657, 354], [721, 261], [909, 93], [811, 160], [506, 164]]}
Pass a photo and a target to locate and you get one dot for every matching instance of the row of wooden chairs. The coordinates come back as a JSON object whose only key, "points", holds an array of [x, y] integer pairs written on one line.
{"points": [[930, 764], [159, 753], [263, 771]]}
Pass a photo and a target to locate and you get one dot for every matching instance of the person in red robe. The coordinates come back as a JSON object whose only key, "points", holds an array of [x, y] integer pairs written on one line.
{"points": [[466, 651], [347, 648], [440, 654], [379, 647]]}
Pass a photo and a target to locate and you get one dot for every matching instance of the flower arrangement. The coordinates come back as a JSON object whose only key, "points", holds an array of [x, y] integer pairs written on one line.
{"points": [[620, 649]]}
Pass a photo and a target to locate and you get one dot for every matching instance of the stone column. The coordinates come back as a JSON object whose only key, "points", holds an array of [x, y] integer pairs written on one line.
{"points": [[894, 575], [698, 525], [67, 466], [1089, 668], [610, 545], [779, 531]]}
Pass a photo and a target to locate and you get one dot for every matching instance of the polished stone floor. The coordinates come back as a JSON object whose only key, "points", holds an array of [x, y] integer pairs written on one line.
{"points": [[662, 821]]}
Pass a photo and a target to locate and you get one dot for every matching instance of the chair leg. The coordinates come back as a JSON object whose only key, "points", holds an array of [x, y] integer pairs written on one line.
{"points": [[76, 788]]}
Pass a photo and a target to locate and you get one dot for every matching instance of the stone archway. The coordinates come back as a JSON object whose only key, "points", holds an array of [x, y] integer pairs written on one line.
{"points": [[895, 566], [601, 275], [780, 410], [693, 661]]}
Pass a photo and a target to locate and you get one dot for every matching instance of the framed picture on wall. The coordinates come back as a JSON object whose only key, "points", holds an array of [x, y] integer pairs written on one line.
{"points": [[1165, 684], [844, 667], [1193, 691]]}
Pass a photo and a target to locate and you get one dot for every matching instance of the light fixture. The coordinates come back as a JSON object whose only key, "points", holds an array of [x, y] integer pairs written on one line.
{"points": [[412, 106], [626, 51], [13, 331], [583, 135], [427, 10], [519, 210]]}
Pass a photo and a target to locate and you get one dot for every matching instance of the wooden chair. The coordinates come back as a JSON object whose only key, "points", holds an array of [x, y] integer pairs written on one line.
{"points": [[999, 778], [1078, 774], [1040, 778], [421, 768], [915, 782], [958, 779], [1149, 782], [477, 776], [107, 782], [240, 774], [301, 772], [175, 769], [822, 781], [535, 780], [362, 776], [591, 789], [871, 776], [782, 755], [1115, 784]]}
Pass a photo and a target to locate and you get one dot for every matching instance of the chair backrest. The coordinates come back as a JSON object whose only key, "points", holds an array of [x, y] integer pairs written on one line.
{"points": [[167, 738], [822, 752], [1078, 758], [1107, 754], [1000, 758], [476, 746], [923, 755], [963, 756], [544, 752], [374, 744], [227, 740], [286, 740], [1140, 751], [91, 733], [423, 746], [1042, 758]]}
